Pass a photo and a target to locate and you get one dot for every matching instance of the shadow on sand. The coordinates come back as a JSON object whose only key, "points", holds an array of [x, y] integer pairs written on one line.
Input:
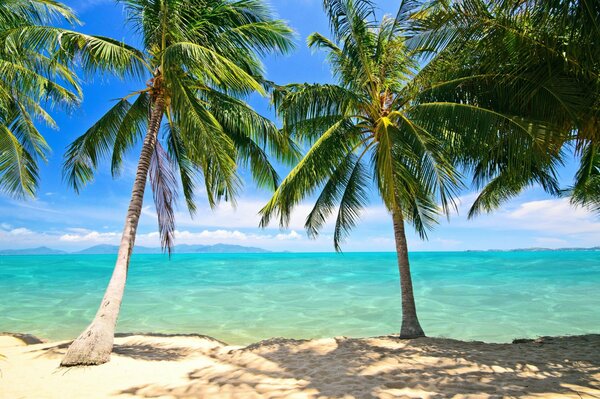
{"points": [[134, 350], [390, 368]]}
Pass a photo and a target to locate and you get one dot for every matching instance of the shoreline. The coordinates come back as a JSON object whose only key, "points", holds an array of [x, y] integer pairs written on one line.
{"points": [[194, 365], [26, 252]]}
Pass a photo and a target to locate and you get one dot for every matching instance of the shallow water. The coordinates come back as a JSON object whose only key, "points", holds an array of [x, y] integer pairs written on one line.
{"points": [[243, 298]]}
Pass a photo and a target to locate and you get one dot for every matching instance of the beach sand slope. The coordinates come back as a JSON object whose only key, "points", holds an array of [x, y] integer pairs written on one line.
{"points": [[160, 366]]}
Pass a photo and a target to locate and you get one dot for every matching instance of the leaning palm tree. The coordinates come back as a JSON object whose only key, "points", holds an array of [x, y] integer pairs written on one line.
{"points": [[202, 57], [29, 80], [378, 127]]}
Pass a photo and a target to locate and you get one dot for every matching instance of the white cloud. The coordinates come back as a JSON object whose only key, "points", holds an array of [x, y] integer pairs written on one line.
{"points": [[555, 216], [246, 216], [23, 238], [550, 241], [552, 216], [383, 242], [83, 237], [379, 213], [149, 211], [92, 237], [292, 235], [78, 230], [21, 231], [211, 235], [447, 243], [550, 223]]}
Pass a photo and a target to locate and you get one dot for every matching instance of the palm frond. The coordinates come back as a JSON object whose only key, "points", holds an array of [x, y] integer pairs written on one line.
{"points": [[208, 146], [30, 79], [19, 174], [210, 65], [36, 11], [298, 104], [187, 169], [354, 198], [317, 165], [330, 195], [586, 189], [164, 189], [84, 154], [131, 129]]}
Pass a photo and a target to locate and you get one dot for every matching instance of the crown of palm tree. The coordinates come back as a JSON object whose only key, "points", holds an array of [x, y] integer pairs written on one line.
{"points": [[383, 121], [200, 57]]}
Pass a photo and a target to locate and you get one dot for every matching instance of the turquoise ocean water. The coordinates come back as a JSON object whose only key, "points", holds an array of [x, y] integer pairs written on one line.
{"points": [[243, 298]]}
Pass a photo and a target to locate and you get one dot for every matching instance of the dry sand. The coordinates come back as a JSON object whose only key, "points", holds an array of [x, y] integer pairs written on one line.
{"points": [[151, 366]]}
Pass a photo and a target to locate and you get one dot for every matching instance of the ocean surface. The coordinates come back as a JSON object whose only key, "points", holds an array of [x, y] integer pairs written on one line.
{"points": [[243, 298]]}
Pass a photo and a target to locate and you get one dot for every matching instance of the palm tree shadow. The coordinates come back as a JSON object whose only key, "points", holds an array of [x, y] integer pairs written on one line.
{"points": [[388, 367], [134, 350], [151, 352]]}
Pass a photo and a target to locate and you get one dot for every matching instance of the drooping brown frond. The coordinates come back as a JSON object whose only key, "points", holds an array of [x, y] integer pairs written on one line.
{"points": [[164, 190]]}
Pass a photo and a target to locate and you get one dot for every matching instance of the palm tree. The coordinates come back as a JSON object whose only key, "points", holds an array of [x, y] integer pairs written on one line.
{"points": [[381, 123], [537, 59], [202, 56], [29, 79]]}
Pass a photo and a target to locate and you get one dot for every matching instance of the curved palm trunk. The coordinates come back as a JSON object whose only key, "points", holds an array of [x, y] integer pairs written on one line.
{"points": [[95, 344], [410, 323]]}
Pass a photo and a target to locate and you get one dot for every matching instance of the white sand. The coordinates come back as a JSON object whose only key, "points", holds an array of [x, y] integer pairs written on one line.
{"points": [[200, 367]]}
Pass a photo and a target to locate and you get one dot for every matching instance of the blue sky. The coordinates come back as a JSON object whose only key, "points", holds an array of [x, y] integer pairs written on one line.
{"points": [[61, 219]]}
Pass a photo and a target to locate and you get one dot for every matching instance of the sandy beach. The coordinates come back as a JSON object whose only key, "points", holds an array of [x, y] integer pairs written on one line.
{"points": [[193, 366]]}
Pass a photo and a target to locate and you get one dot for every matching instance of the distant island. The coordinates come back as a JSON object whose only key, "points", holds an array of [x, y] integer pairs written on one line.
{"points": [[535, 249], [32, 251], [113, 249]]}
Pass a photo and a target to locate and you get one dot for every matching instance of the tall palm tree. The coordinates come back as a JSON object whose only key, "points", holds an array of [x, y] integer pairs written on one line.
{"points": [[540, 60], [381, 124], [202, 57], [29, 80]]}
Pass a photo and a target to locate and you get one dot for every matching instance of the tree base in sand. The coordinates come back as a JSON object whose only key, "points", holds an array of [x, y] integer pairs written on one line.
{"points": [[93, 347], [411, 330]]}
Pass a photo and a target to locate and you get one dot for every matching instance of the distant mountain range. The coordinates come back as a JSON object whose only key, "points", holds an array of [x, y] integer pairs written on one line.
{"points": [[113, 249], [32, 251]]}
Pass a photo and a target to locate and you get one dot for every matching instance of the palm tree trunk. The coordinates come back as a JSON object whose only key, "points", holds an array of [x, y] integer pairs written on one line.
{"points": [[410, 323], [95, 344]]}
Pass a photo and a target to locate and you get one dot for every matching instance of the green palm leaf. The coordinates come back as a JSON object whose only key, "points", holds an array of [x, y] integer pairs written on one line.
{"points": [[534, 60], [18, 169], [85, 153], [30, 78]]}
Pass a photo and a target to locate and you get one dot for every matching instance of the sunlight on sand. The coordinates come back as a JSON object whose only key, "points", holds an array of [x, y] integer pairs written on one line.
{"points": [[157, 366]]}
